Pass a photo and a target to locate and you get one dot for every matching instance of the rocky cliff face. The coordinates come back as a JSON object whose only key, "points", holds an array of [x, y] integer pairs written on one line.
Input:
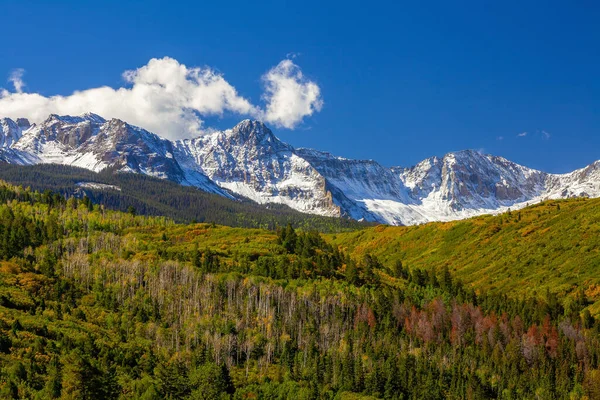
{"points": [[249, 161], [11, 131], [89, 141]]}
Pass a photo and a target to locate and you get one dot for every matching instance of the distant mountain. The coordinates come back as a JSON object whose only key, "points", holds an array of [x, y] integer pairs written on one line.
{"points": [[249, 161]]}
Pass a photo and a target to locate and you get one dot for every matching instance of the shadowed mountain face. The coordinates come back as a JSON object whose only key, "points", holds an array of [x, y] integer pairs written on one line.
{"points": [[249, 161]]}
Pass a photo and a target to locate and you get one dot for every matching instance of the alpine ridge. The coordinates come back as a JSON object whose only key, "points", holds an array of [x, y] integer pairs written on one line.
{"points": [[250, 161]]}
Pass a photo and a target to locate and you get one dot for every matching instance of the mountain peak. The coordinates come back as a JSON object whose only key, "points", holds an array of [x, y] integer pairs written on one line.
{"points": [[11, 131], [254, 133], [249, 127], [468, 154], [72, 120], [89, 116]]}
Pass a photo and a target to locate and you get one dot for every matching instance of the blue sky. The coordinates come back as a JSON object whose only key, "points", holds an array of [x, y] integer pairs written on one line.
{"points": [[399, 82]]}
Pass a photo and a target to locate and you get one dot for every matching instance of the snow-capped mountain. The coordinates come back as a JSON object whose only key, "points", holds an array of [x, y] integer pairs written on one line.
{"points": [[89, 141], [249, 161], [11, 131]]}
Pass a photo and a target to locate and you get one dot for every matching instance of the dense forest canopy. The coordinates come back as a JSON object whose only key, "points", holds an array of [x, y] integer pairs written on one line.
{"points": [[96, 303]]}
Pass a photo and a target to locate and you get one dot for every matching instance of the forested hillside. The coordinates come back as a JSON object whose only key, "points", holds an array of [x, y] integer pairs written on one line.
{"points": [[153, 196], [552, 246], [101, 304]]}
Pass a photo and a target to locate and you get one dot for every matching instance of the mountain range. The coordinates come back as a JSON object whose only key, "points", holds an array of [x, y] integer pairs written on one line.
{"points": [[250, 161]]}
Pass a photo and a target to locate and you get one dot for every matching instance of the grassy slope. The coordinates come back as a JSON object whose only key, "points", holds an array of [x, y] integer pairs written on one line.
{"points": [[222, 240], [554, 245]]}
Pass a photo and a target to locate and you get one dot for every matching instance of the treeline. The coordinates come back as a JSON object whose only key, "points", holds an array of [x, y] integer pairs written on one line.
{"points": [[104, 309], [152, 196]]}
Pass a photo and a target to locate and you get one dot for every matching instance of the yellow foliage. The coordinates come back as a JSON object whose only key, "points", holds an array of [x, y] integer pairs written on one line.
{"points": [[7, 267], [30, 281], [593, 291]]}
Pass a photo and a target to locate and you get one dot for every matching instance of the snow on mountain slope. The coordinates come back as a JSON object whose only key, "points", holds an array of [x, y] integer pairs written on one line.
{"points": [[459, 185], [467, 183], [248, 160], [11, 131], [89, 141], [356, 182], [100, 186], [58, 140], [584, 182]]}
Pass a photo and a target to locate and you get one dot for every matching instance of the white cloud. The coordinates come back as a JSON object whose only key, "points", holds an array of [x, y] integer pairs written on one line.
{"points": [[16, 78], [169, 98], [289, 95], [546, 135], [522, 134]]}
